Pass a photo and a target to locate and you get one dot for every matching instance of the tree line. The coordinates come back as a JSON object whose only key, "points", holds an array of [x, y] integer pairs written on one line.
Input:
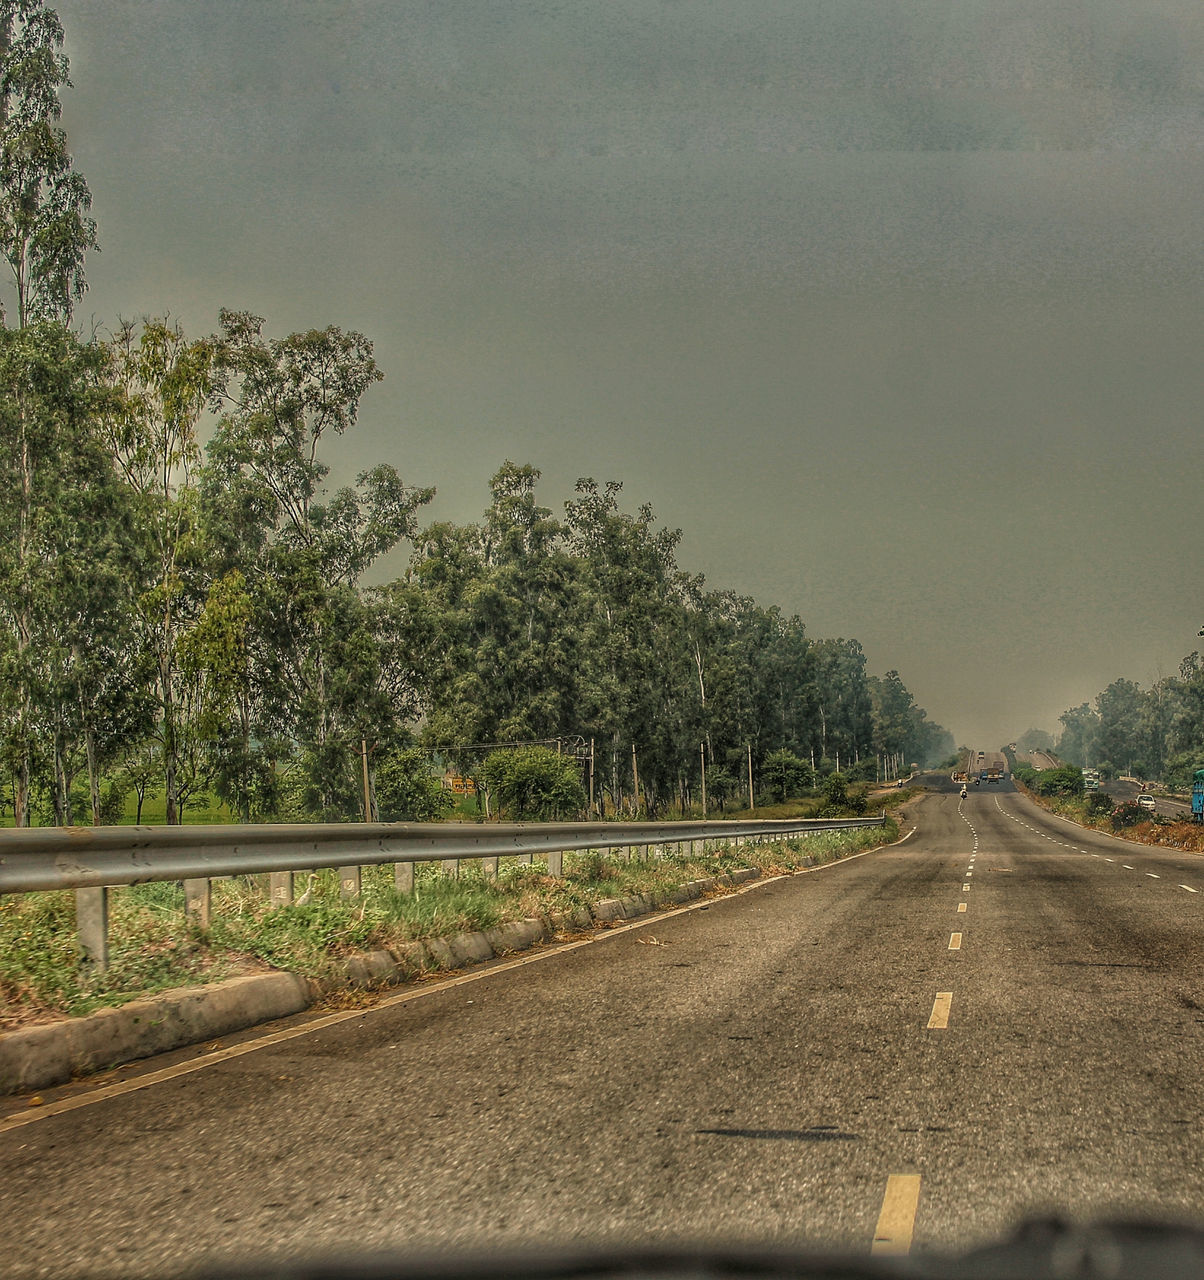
{"points": [[186, 603], [1150, 733]]}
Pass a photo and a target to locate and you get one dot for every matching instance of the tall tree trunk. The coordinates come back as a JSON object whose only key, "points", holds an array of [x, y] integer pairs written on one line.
{"points": [[62, 804], [167, 701], [24, 627], [21, 791], [93, 776]]}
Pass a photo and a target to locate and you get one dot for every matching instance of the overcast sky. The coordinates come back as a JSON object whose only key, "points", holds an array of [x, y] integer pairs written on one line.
{"points": [[893, 306]]}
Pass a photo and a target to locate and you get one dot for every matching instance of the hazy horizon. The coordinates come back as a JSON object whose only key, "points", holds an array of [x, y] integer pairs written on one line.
{"points": [[895, 315]]}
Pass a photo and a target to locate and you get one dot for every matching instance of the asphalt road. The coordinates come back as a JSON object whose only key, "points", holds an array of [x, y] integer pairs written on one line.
{"points": [[1124, 791], [755, 1069]]}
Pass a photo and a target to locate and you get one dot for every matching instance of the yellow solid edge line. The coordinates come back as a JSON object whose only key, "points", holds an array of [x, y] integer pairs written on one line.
{"points": [[17, 1119], [939, 1018], [897, 1221], [955, 942]]}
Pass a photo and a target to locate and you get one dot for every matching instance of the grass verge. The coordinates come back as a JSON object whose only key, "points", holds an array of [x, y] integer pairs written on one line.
{"points": [[153, 948], [1160, 832]]}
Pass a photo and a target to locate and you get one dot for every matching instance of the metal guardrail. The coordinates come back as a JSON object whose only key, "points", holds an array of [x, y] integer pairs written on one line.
{"points": [[91, 860]]}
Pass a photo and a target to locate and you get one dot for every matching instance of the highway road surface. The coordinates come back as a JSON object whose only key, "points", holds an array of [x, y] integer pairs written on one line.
{"points": [[1002, 1014], [1122, 792]]}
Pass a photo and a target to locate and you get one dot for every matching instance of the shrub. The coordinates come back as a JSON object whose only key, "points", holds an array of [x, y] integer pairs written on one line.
{"points": [[784, 775], [1128, 814], [407, 791], [865, 770], [534, 782], [1099, 803], [1067, 781], [839, 799]]}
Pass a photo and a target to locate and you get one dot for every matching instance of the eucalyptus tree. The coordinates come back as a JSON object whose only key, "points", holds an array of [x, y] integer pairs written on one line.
{"points": [[45, 230], [1122, 732], [631, 620], [318, 652], [163, 381], [61, 513], [894, 723], [1080, 729], [526, 646], [487, 612], [842, 700]]}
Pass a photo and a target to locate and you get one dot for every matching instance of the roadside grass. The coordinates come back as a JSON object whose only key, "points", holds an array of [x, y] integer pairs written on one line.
{"points": [[810, 806], [1164, 833], [153, 947], [201, 811]]}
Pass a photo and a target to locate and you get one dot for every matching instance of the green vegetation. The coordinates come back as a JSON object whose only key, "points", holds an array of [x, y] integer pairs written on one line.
{"points": [[1148, 733], [534, 783], [406, 790], [153, 948], [183, 608], [1097, 810]]}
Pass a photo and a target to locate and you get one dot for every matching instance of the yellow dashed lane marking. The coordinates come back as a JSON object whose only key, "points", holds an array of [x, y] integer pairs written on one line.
{"points": [[961, 906], [955, 942], [939, 1018], [896, 1222]]}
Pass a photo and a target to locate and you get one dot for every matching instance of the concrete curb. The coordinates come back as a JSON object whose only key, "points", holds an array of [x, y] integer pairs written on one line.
{"points": [[51, 1054], [41, 1056]]}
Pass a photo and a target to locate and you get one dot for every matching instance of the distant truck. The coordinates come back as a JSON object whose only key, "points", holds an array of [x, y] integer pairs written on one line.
{"points": [[1197, 797]]}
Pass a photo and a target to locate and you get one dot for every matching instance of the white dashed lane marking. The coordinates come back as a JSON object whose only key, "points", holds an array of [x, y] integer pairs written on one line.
{"points": [[1153, 875]]}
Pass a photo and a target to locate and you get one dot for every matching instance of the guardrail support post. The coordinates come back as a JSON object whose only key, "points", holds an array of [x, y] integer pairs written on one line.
{"points": [[280, 888], [198, 902], [556, 863], [403, 877], [92, 926], [489, 866], [349, 883], [453, 867]]}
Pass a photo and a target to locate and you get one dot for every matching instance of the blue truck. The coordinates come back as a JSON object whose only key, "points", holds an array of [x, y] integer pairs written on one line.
{"points": [[1197, 796]]}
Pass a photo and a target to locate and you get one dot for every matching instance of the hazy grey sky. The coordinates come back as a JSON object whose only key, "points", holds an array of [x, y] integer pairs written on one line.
{"points": [[894, 306]]}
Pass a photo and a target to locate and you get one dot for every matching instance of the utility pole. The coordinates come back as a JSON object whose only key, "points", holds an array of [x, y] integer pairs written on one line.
{"points": [[752, 804], [635, 779], [702, 753], [591, 778]]}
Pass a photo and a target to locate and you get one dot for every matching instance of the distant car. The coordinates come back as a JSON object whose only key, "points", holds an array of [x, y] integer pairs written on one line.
{"points": [[1146, 802]]}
